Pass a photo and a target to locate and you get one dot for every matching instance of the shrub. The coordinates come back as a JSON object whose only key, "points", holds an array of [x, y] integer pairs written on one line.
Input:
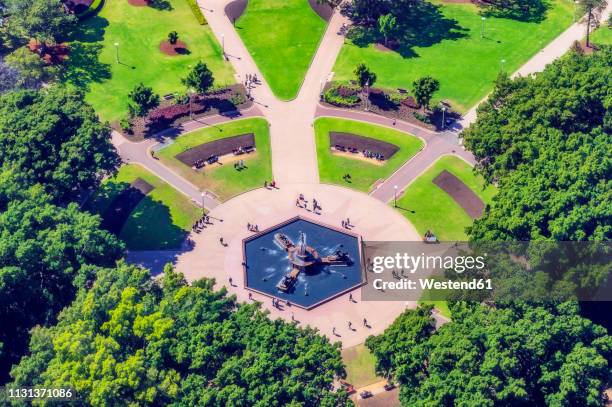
{"points": [[342, 95], [237, 99], [125, 125], [173, 37], [193, 4], [422, 117]]}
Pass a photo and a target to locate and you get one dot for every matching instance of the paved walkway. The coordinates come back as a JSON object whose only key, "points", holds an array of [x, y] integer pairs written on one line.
{"points": [[437, 144], [139, 153]]}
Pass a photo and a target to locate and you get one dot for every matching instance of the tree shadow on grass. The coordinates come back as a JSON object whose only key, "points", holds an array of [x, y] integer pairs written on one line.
{"points": [[151, 227], [525, 10], [91, 30], [423, 27], [84, 66], [164, 5]]}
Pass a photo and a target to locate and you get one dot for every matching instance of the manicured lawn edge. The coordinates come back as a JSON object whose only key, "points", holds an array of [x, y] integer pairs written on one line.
{"points": [[434, 209], [409, 144], [223, 181]]}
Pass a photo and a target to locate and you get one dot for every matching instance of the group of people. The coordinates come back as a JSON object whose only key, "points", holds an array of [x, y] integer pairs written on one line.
{"points": [[301, 202], [200, 224], [201, 163], [350, 326], [253, 227], [366, 153]]}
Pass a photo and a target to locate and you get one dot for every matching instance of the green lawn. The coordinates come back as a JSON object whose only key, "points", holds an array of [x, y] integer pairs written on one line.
{"points": [[224, 180], [159, 222], [138, 31], [465, 66], [363, 174], [602, 35], [282, 36], [433, 208], [359, 364]]}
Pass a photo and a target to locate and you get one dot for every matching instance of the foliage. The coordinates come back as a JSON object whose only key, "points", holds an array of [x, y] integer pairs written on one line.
{"points": [[33, 71], [173, 37], [422, 117], [546, 141], [330, 3], [523, 10], [132, 340], [368, 12], [197, 12], [54, 138], [142, 100], [42, 248], [125, 124], [342, 95], [387, 24], [9, 78], [364, 76], [525, 355], [424, 89], [44, 20], [200, 78]]}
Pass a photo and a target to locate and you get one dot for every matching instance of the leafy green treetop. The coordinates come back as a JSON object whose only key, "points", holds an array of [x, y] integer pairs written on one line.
{"points": [[386, 25], [424, 89], [364, 76], [54, 138], [128, 340], [173, 37], [142, 100], [200, 78], [44, 20]]}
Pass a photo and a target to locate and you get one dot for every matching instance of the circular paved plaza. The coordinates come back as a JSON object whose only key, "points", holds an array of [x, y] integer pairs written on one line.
{"points": [[372, 220]]}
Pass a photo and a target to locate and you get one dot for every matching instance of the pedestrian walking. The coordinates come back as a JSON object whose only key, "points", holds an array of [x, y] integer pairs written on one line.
{"points": [[365, 322], [350, 325], [250, 296], [351, 297], [231, 281]]}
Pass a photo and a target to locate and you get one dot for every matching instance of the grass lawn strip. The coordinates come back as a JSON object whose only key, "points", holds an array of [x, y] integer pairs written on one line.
{"points": [[602, 35], [332, 167], [161, 219], [224, 180], [359, 366], [282, 37], [139, 32], [115, 216], [466, 67], [433, 208]]}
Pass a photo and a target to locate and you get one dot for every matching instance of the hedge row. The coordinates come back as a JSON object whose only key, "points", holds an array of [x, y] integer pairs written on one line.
{"points": [[193, 4]]}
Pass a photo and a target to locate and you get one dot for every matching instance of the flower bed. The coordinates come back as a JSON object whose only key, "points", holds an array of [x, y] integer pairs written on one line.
{"points": [[171, 113]]}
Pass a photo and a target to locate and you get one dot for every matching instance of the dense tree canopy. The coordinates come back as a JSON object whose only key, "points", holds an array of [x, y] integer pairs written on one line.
{"points": [[531, 356], [546, 140], [55, 139], [42, 247], [131, 340], [44, 20], [200, 78], [9, 78], [142, 99]]}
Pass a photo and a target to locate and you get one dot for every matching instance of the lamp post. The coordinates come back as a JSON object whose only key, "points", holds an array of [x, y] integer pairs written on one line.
{"points": [[223, 44], [191, 92], [395, 196], [482, 27], [575, 9], [367, 98], [503, 63], [202, 194], [117, 52], [443, 111]]}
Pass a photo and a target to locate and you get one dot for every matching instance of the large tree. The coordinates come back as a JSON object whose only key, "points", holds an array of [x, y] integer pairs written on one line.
{"points": [[593, 9], [42, 248], [54, 138], [200, 78], [43, 20], [142, 100], [519, 356], [33, 70], [131, 340], [545, 140], [364, 76], [424, 89]]}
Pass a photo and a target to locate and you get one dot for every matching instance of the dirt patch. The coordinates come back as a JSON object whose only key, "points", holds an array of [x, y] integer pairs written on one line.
{"points": [[390, 47], [358, 156], [461, 193], [180, 48], [219, 148], [361, 143], [235, 9], [120, 209], [138, 3], [323, 10]]}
